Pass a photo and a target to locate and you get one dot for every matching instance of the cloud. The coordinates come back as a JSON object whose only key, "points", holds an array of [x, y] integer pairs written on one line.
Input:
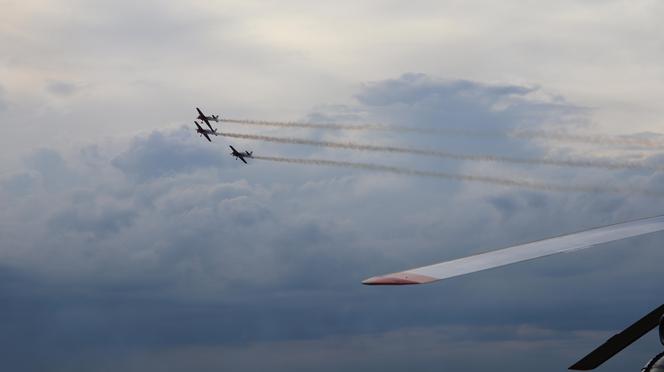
{"points": [[453, 348], [166, 247], [157, 155], [420, 88], [464, 104], [4, 104], [61, 88], [157, 247], [102, 219]]}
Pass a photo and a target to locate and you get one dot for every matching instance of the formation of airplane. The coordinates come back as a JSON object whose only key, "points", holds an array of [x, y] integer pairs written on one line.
{"points": [[241, 155]]}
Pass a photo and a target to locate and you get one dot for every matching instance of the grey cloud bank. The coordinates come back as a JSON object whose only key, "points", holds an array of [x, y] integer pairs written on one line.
{"points": [[61, 88], [167, 254]]}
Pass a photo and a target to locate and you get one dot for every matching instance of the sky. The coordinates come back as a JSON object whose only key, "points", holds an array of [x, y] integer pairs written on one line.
{"points": [[129, 243]]}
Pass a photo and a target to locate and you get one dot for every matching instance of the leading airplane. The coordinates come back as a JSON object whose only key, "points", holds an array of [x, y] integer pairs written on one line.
{"points": [[205, 132], [207, 119], [242, 155]]}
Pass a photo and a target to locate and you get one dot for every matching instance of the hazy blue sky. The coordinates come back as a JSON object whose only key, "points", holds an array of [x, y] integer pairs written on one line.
{"points": [[128, 243]]}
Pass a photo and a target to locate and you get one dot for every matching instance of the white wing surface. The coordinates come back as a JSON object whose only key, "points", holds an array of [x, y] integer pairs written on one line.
{"points": [[523, 252]]}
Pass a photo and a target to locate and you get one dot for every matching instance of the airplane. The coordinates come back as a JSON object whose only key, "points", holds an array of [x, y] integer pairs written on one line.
{"points": [[205, 132], [207, 119], [242, 155], [626, 337]]}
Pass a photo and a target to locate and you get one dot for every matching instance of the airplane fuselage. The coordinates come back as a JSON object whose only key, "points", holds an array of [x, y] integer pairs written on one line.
{"points": [[207, 131], [214, 118]]}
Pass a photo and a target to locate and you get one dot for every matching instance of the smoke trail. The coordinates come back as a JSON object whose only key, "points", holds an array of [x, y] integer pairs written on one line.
{"points": [[464, 177], [523, 134], [589, 139], [292, 124], [445, 154]]}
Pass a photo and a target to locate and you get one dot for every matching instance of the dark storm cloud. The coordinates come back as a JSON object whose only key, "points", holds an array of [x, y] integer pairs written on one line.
{"points": [[169, 250]]}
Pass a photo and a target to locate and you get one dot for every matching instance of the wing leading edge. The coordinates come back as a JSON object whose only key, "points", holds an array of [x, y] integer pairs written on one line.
{"points": [[202, 116], [519, 253]]}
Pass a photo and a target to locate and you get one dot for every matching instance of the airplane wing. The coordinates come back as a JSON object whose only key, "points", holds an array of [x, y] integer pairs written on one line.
{"points": [[204, 118], [206, 136], [198, 126], [242, 158], [523, 252], [233, 148]]}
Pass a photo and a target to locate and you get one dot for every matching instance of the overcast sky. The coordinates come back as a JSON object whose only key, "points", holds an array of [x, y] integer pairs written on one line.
{"points": [[128, 243]]}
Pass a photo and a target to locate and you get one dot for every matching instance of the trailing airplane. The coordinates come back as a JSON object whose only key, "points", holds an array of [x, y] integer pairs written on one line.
{"points": [[519, 253], [242, 155], [207, 119], [205, 132]]}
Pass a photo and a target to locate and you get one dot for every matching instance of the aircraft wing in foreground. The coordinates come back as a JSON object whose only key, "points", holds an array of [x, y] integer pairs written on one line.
{"points": [[519, 253]]}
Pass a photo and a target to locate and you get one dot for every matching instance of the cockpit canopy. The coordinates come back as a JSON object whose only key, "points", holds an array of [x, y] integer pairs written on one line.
{"points": [[656, 364]]}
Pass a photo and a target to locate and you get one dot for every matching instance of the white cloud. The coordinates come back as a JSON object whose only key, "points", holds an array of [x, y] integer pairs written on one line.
{"points": [[140, 62]]}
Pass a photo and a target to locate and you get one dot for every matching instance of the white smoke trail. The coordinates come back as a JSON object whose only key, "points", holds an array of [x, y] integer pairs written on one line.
{"points": [[447, 155], [518, 133], [464, 177]]}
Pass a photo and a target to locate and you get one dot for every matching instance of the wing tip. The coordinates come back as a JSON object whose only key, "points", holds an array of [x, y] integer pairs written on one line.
{"points": [[403, 278]]}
